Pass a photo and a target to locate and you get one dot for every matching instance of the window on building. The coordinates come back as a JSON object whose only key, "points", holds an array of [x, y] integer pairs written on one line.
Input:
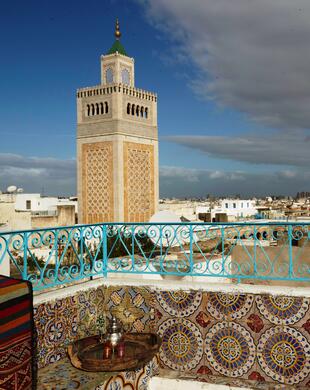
{"points": [[234, 205], [242, 205], [226, 205], [125, 76], [109, 76], [28, 204], [248, 205]]}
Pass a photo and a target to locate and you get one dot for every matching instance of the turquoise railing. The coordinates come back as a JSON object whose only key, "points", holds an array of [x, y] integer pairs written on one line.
{"points": [[238, 251]]}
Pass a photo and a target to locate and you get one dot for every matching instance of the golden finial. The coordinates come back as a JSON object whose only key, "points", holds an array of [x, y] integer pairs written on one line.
{"points": [[117, 32]]}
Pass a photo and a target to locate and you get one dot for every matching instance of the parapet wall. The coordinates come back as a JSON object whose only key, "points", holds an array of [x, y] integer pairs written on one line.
{"points": [[121, 88], [254, 337]]}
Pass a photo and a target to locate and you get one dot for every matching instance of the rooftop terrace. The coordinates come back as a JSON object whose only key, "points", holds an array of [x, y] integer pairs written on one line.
{"points": [[214, 293]]}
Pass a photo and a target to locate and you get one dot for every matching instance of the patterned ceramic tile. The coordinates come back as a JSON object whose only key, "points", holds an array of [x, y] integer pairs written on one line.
{"points": [[67, 319], [229, 349], [160, 315], [261, 339], [229, 307], [179, 303], [282, 310], [43, 313], [132, 306], [90, 306], [48, 337], [182, 345], [137, 380], [61, 375], [283, 356]]}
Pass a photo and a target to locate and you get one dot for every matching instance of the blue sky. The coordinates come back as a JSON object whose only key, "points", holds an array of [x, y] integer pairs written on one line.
{"points": [[51, 48]]}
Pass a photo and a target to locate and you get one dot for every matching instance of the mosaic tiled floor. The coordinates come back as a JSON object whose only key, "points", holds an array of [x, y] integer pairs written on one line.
{"points": [[63, 376]]}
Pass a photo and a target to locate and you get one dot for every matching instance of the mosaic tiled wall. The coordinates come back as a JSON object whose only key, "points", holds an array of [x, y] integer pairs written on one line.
{"points": [[60, 322], [259, 338], [252, 337]]}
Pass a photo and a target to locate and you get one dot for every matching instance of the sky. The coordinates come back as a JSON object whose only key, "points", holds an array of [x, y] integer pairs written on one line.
{"points": [[232, 78]]}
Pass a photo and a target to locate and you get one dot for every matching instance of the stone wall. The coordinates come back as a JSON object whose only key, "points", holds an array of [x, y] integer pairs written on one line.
{"points": [[65, 217], [256, 338], [273, 260]]}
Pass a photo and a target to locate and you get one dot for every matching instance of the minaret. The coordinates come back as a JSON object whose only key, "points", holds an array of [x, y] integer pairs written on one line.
{"points": [[117, 144]]}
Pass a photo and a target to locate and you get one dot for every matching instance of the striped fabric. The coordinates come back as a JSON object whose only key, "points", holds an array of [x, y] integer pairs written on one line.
{"points": [[16, 334]]}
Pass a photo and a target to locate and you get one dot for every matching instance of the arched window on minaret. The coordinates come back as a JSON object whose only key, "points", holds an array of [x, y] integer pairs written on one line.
{"points": [[92, 109], [97, 109], [101, 109], [146, 112], [128, 108], [133, 107], [142, 112], [138, 110], [88, 109], [106, 107]]}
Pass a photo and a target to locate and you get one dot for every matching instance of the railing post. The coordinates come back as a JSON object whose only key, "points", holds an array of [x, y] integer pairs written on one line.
{"points": [[133, 246], [4, 255], [254, 251], [290, 246], [25, 263], [191, 247], [223, 248], [81, 250], [105, 250], [56, 245]]}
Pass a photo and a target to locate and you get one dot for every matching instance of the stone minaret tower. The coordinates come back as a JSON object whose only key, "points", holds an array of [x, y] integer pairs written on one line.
{"points": [[117, 144]]}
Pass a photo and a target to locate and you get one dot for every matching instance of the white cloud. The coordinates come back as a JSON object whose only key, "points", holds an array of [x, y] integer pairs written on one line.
{"points": [[174, 182], [58, 177], [278, 149], [252, 56], [34, 174], [216, 175]]}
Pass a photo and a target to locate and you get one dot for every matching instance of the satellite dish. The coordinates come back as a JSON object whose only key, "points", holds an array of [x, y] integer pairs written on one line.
{"points": [[165, 216], [11, 189], [20, 190], [165, 234]]}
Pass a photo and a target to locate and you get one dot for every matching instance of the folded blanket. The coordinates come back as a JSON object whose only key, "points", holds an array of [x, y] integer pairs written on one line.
{"points": [[16, 335]]}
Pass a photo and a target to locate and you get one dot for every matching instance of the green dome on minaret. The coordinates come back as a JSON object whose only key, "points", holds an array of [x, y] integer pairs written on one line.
{"points": [[117, 46]]}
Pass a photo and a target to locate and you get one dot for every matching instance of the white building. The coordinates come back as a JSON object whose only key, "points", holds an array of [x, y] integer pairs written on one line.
{"points": [[185, 208], [42, 204], [236, 208], [19, 211]]}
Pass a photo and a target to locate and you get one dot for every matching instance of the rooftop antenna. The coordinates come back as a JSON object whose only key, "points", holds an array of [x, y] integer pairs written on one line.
{"points": [[11, 190], [117, 33]]}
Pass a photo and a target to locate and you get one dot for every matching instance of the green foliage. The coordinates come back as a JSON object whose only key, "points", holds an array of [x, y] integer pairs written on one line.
{"points": [[32, 262], [122, 245]]}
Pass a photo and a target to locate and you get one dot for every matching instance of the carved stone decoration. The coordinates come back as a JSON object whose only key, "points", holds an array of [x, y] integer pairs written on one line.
{"points": [[97, 185], [139, 202]]}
